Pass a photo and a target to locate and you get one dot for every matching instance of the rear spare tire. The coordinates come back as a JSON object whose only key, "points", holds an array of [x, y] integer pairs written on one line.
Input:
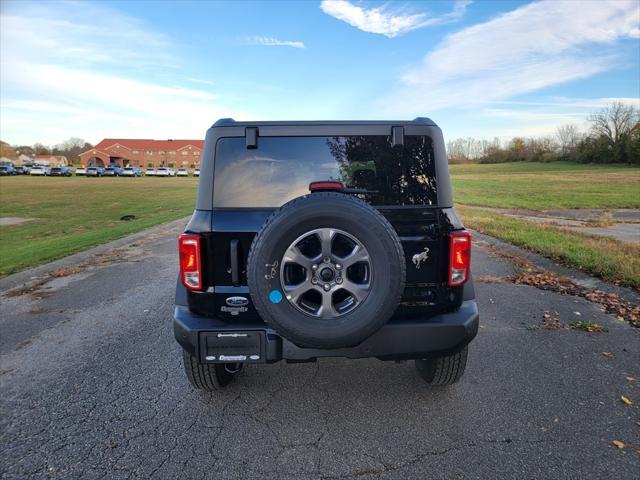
{"points": [[326, 270]]}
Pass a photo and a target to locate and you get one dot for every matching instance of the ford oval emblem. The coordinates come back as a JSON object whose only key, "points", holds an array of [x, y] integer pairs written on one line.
{"points": [[237, 301]]}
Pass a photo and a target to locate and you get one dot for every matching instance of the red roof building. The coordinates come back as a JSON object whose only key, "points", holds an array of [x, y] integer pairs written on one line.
{"points": [[144, 153]]}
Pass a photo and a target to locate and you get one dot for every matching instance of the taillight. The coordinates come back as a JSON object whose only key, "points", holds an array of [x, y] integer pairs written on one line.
{"points": [[459, 258], [327, 186], [190, 261]]}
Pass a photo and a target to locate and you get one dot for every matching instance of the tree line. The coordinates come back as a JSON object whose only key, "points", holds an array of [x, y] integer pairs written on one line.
{"points": [[70, 148], [613, 136]]}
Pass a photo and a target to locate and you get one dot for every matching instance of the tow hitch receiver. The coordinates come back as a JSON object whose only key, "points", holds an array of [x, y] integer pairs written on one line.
{"points": [[232, 347]]}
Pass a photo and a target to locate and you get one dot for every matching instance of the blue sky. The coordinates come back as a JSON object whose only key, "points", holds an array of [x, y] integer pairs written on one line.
{"points": [[170, 69]]}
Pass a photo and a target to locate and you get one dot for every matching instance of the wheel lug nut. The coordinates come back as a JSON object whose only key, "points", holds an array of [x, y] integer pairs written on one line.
{"points": [[339, 280], [327, 259], [314, 267], [327, 287], [314, 280], [338, 266]]}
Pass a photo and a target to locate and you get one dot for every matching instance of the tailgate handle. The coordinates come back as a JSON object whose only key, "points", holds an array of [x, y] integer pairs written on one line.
{"points": [[235, 273]]}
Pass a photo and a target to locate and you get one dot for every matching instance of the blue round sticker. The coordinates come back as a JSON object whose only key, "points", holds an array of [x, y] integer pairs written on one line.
{"points": [[275, 296]]}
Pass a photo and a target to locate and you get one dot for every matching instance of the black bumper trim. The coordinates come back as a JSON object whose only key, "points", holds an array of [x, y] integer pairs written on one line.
{"points": [[411, 338]]}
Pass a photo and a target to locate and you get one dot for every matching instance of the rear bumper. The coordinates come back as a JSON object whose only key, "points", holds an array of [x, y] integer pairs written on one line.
{"points": [[399, 339]]}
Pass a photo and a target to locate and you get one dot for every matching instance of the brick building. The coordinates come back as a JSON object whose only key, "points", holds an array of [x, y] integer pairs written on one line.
{"points": [[144, 153]]}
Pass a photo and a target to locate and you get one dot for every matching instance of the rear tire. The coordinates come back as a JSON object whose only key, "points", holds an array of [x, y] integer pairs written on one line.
{"points": [[443, 371], [209, 377]]}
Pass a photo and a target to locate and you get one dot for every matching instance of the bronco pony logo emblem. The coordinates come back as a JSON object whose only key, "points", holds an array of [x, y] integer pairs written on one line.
{"points": [[418, 258], [272, 270]]}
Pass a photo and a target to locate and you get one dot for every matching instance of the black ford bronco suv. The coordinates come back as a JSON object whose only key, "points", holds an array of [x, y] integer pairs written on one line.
{"points": [[324, 239]]}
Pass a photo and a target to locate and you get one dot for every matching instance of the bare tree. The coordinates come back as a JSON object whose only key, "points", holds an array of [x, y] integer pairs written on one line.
{"points": [[568, 137], [40, 149], [614, 122], [71, 148]]}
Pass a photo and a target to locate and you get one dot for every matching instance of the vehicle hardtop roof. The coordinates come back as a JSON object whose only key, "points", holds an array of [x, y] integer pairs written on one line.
{"points": [[252, 131], [230, 122]]}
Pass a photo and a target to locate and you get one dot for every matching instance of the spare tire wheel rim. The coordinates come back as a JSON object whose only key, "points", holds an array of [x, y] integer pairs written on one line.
{"points": [[326, 273]]}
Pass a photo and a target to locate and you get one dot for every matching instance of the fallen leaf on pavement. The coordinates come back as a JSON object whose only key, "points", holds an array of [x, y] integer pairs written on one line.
{"points": [[626, 400], [618, 443], [63, 272], [607, 354], [612, 302], [631, 379], [577, 313]]}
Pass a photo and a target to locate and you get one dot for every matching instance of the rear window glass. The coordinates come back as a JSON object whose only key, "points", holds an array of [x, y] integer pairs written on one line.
{"points": [[281, 168]]}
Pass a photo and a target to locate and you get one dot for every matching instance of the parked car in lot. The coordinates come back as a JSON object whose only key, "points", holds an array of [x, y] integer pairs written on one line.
{"points": [[60, 172], [131, 172], [21, 170], [182, 172], [352, 249], [112, 171], [150, 172], [80, 171], [7, 170], [196, 172], [165, 172], [95, 171], [39, 170]]}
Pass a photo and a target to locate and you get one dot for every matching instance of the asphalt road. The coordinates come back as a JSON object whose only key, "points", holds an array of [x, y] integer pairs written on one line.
{"points": [[92, 387]]}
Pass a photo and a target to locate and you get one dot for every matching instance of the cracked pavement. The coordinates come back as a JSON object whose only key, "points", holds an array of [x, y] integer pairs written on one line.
{"points": [[92, 387]]}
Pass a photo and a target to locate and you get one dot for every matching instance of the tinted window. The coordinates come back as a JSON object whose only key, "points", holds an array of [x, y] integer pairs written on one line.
{"points": [[281, 169]]}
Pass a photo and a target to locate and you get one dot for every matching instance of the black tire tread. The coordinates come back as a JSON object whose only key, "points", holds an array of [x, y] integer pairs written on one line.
{"points": [[210, 377], [443, 371]]}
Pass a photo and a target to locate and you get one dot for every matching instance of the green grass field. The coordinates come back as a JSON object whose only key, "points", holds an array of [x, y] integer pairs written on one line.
{"points": [[542, 186], [73, 214]]}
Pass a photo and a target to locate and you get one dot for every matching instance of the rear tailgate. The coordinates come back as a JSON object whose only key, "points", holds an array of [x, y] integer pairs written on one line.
{"points": [[423, 238]]}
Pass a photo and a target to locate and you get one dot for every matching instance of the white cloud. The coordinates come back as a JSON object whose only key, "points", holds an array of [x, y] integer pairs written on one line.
{"points": [[103, 36], [386, 21], [527, 118], [535, 46], [273, 42], [94, 77]]}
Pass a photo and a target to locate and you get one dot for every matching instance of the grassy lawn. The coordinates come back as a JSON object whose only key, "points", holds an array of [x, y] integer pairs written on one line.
{"points": [[612, 260], [537, 186], [73, 214], [541, 186]]}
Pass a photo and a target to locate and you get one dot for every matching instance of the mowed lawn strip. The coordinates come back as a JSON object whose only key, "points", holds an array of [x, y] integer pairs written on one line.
{"points": [[542, 186], [610, 259], [73, 214]]}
